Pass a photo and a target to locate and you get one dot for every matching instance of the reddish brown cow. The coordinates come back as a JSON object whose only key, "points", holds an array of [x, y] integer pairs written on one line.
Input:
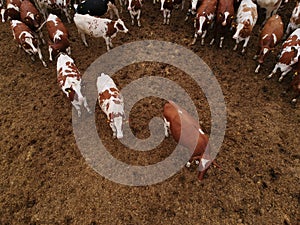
{"points": [[187, 132], [30, 15], [12, 11], [58, 35], [224, 18], [270, 36]]}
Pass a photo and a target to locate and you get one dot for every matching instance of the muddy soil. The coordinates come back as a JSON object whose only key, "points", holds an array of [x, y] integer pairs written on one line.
{"points": [[46, 180]]}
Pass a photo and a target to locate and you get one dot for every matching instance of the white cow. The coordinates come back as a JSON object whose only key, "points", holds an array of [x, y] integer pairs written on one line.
{"points": [[69, 79], [271, 7], [112, 104], [98, 27], [246, 20]]}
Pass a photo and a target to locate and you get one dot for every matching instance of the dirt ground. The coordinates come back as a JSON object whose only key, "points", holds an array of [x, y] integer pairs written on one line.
{"points": [[46, 180]]}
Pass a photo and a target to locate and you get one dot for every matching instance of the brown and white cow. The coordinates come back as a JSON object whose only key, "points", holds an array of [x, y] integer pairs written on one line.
{"points": [[271, 7], [63, 5], [194, 4], [246, 20], [31, 17], [270, 36], [12, 10], [167, 6], [59, 37], [224, 18], [135, 9], [112, 104], [205, 17], [288, 56], [187, 132], [26, 39], [294, 22], [98, 27], [69, 79]]}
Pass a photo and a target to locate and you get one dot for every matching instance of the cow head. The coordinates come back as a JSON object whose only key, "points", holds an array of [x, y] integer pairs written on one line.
{"points": [[194, 5], [32, 20], [29, 43], [225, 18], [243, 30], [120, 26], [116, 124]]}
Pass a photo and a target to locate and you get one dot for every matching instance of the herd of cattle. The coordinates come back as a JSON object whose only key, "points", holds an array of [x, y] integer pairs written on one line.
{"points": [[26, 18]]}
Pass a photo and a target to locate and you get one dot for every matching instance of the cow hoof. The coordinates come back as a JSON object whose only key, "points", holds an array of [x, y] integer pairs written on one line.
{"points": [[188, 164], [294, 101], [270, 76]]}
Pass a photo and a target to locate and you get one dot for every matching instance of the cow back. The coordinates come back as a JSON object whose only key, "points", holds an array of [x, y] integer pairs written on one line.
{"points": [[53, 27], [93, 7], [273, 26], [207, 7]]}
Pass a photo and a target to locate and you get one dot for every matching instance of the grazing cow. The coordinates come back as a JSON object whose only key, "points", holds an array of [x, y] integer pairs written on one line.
{"points": [[58, 35], [294, 20], [97, 8], [246, 19], [26, 39], [187, 132], [205, 16], [271, 7], [270, 36], [288, 56], [135, 9], [63, 5], [12, 10], [111, 103], [224, 18], [98, 27], [69, 79]]}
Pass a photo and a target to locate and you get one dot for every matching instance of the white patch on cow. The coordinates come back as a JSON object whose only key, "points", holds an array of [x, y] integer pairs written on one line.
{"points": [[52, 18], [30, 15], [264, 37], [226, 14], [201, 131], [28, 40], [240, 26], [274, 38], [179, 111], [11, 6], [201, 22], [204, 162], [58, 35], [194, 4], [265, 50]]}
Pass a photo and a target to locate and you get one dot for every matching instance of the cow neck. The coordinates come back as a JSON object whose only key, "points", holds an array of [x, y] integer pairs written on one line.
{"points": [[111, 30]]}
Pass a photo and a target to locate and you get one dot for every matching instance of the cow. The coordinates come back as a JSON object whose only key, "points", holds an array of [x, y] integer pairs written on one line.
{"points": [[26, 39], [294, 22], [270, 36], [112, 104], [69, 80], [135, 9], [295, 84], [97, 8], [187, 132], [224, 18], [271, 7], [2, 11], [288, 56], [245, 21], [205, 16], [167, 6], [12, 10], [59, 37], [194, 4], [63, 5], [31, 17], [98, 27]]}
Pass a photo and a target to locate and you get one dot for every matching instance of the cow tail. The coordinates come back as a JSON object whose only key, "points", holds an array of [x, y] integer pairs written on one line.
{"points": [[38, 30]]}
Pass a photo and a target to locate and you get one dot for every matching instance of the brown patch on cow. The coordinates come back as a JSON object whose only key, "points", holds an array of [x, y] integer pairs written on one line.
{"points": [[207, 7], [247, 29], [291, 41], [118, 102], [136, 5], [287, 57], [104, 96], [252, 10], [111, 30], [71, 94], [18, 29]]}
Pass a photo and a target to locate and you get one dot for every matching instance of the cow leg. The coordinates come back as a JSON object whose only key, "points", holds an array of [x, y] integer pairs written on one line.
{"points": [[82, 35], [182, 6], [257, 68], [273, 71], [68, 50], [168, 18], [50, 53], [65, 10], [195, 38], [236, 44], [167, 127], [138, 18], [288, 30], [108, 43], [165, 17], [85, 104], [41, 56], [245, 44], [203, 36], [284, 73], [132, 18], [77, 107], [221, 42], [212, 41], [114, 130], [41, 36]]}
